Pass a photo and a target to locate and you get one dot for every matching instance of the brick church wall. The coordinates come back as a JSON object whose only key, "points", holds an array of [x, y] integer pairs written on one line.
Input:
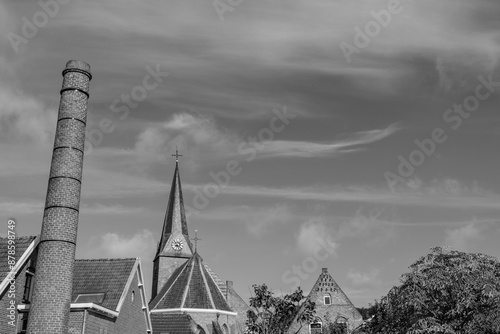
{"points": [[238, 305]]}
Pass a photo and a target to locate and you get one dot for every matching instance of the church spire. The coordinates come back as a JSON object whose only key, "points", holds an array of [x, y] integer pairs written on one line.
{"points": [[174, 239]]}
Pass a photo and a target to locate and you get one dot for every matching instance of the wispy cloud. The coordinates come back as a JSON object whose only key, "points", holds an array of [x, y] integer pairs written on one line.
{"points": [[302, 149], [436, 194], [198, 135], [258, 220], [101, 209]]}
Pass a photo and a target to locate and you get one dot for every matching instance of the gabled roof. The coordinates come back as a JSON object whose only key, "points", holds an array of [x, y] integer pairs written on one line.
{"points": [[191, 287], [108, 276], [175, 222], [112, 277], [326, 285]]}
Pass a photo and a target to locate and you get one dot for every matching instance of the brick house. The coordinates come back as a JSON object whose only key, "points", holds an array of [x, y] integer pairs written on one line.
{"points": [[108, 294], [332, 306]]}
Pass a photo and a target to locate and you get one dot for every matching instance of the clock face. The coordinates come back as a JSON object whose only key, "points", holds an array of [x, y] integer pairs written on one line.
{"points": [[177, 244]]}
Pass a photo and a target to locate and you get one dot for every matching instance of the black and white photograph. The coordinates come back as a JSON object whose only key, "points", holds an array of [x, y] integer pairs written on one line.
{"points": [[249, 167]]}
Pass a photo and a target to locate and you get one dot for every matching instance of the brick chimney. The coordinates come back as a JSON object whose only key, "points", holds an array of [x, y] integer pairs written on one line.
{"points": [[49, 311]]}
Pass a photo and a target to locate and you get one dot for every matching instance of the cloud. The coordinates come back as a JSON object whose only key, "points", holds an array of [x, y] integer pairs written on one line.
{"points": [[372, 227], [463, 237], [100, 209], [113, 245], [25, 117], [195, 136], [358, 278], [24, 207], [258, 220], [302, 149], [447, 194], [312, 233], [200, 137]]}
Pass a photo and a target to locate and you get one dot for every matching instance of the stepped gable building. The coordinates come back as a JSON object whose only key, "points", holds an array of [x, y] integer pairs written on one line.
{"points": [[332, 306], [108, 295], [187, 296]]}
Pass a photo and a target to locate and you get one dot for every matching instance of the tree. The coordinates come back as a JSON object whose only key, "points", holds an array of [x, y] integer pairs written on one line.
{"points": [[445, 292], [274, 315]]}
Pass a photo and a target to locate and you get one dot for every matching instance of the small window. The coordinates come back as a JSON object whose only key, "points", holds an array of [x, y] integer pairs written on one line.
{"points": [[90, 298], [327, 300], [28, 285], [133, 296], [316, 328]]}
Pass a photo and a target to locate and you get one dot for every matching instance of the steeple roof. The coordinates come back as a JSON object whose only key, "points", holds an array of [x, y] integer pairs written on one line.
{"points": [[191, 287], [175, 223]]}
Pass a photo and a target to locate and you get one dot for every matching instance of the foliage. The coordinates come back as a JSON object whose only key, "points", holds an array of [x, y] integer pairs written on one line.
{"points": [[445, 292], [367, 312], [274, 315], [334, 328]]}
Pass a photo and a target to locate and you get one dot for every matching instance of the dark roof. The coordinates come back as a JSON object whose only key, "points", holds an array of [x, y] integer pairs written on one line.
{"points": [[91, 276], [191, 286], [171, 323], [108, 276], [21, 244]]}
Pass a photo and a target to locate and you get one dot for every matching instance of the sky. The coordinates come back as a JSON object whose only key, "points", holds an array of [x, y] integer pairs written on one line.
{"points": [[348, 135]]}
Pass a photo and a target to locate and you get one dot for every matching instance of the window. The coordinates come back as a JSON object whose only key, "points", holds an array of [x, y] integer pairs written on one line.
{"points": [[28, 285], [23, 323], [90, 298], [341, 324], [316, 328], [133, 296], [327, 300]]}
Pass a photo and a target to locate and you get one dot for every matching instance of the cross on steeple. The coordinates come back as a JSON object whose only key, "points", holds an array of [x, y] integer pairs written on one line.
{"points": [[176, 155], [195, 240]]}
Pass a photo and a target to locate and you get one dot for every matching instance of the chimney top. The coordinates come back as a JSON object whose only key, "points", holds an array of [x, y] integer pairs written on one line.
{"points": [[324, 270], [78, 66]]}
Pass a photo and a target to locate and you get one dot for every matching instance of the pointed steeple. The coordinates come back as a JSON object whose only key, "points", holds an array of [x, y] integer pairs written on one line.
{"points": [[174, 239]]}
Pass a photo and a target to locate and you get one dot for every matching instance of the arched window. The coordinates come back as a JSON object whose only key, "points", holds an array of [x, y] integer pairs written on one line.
{"points": [[225, 330], [341, 323], [316, 327], [200, 330]]}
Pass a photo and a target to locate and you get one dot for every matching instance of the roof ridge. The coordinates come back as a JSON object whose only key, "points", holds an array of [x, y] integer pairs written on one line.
{"points": [[109, 259], [22, 237]]}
